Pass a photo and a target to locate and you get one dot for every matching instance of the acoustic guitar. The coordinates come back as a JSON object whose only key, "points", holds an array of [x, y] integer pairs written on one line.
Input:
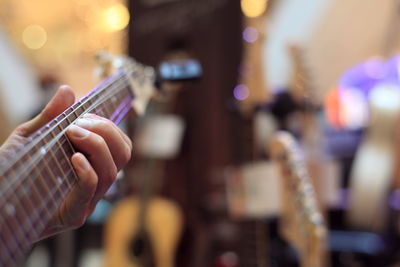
{"points": [[35, 181], [144, 230], [302, 223]]}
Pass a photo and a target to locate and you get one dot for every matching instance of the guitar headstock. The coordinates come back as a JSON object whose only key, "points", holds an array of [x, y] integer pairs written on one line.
{"points": [[141, 78]]}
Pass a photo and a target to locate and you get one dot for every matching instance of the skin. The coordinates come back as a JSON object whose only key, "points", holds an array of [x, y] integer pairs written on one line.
{"points": [[103, 150]]}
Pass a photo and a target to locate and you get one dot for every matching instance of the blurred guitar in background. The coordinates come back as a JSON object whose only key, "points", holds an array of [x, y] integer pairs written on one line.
{"points": [[302, 223], [145, 230]]}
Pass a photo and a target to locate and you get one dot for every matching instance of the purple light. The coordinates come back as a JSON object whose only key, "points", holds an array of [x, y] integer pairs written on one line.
{"points": [[250, 34], [394, 200], [241, 92], [374, 69]]}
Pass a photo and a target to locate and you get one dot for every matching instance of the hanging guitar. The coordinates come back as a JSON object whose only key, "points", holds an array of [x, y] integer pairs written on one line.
{"points": [[30, 193], [302, 222], [144, 229]]}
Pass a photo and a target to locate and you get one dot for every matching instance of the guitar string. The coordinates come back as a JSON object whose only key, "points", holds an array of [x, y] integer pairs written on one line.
{"points": [[5, 187], [37, 156], [37, 214], [126, 107], [94, 93], [33, 161]]}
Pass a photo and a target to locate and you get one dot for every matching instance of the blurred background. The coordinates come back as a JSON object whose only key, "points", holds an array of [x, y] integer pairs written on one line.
{"points": [[275, 143]]}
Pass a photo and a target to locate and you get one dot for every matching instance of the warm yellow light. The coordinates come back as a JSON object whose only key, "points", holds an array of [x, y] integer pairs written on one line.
{"points": [[254, 8], [34, 36], [116, 17]]}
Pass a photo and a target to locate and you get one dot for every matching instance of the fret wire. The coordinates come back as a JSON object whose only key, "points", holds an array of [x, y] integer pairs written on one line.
{"points": [[107, 108], [120, 90], [32, 179], [5, 254], [57, 163], [64, 154], [23, 207], [46, 166], [94, 106], [67, 113], [118, 80], [13, 242], [36, 215]]}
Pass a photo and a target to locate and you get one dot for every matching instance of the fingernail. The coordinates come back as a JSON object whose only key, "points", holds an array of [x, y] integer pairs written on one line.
{"points": [[83, 164], [77, 132], [85, 123]]}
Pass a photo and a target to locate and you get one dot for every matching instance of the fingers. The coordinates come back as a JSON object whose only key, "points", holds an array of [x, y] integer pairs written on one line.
{"points": [[118, 143], [77, 206], [61, 101], [105, 150]]}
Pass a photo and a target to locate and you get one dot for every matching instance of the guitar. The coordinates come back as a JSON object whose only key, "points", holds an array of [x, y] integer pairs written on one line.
{"points": [[36, 180], [374, 164], [302, 222], [135, 232]]}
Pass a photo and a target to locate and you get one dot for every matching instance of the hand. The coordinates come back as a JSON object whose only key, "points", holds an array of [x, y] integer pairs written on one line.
{"points": [[103, 150]]}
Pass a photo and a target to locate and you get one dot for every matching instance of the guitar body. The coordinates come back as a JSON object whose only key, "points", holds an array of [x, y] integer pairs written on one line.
{"points": [[374, 165], [126, 245]]}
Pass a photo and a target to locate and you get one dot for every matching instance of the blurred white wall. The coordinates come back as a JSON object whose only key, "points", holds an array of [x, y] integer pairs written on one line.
{"points": [[19, 91], [291, 21], [350, 32], [336, 35]]}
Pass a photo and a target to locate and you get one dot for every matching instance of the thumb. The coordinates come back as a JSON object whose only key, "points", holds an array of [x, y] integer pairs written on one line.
{"points": [[63, 98]]}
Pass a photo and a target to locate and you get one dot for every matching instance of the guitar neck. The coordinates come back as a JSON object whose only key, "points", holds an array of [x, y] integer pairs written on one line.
{"points": [[40, 176]]}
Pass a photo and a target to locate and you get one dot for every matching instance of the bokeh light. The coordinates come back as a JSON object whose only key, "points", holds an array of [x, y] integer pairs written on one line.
{"points": [[253, 8], [34, 37], [250, 34], [241, 92], [116, 17]]}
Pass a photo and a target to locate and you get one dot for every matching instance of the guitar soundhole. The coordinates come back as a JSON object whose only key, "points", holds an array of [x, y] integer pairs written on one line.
{"points": [[141, 251], [138, 246]]}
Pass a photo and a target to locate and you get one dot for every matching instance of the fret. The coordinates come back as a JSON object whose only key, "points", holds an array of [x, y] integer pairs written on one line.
{"points": [[72, 116], [107, 109], [5, 252], [22, 208], [40, 185], [55, 130], [80, 110], [86, 104], [10, 236], [11, 254], [47, 172], [113, 103], [89, 102], [64, 123], [52, 159], [41, 175], [99, 111], [60, 153]]}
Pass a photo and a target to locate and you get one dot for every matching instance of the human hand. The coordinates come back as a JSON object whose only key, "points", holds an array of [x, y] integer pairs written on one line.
{"points": [[103, 150]]}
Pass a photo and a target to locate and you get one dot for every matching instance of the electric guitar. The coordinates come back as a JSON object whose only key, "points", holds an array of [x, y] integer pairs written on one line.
{"points": [[302, 223], [35, 181]]}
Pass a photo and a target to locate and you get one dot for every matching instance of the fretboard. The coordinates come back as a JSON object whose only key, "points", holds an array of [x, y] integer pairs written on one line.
{"points": [[40, 176]]}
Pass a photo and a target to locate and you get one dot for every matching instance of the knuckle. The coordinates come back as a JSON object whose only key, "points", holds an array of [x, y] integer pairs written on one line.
{"points": [[105, 124], [98, 140], [112, 174], [127, 154]]}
